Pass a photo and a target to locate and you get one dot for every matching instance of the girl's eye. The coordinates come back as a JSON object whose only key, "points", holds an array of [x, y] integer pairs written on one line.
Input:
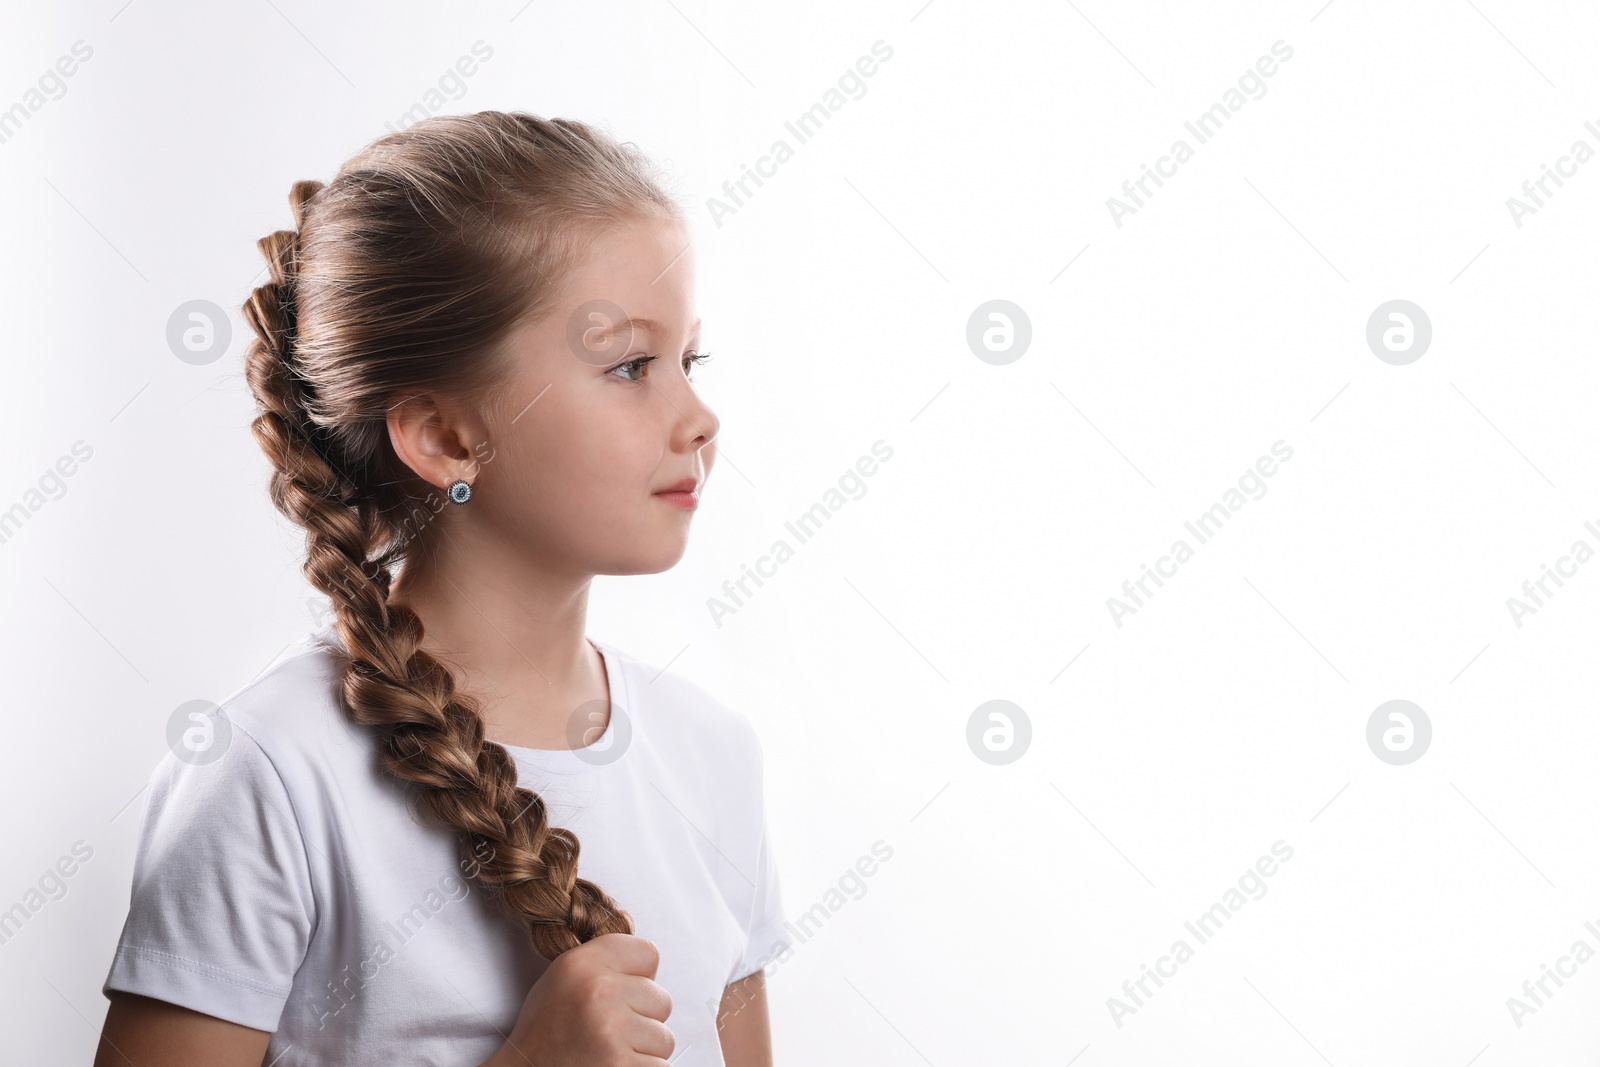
{"points": [[690, 361], [694, 359], [635, 363]]}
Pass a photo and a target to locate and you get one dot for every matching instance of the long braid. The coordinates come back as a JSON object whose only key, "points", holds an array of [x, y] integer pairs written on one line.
{"points": [[329, 478]]}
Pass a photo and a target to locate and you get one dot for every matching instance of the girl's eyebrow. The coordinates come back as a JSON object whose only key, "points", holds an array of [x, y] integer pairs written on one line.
{"points": [[650, 325]]}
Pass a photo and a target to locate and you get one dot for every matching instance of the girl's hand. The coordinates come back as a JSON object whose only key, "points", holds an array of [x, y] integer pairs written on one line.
{"points": [[597, 1005]]}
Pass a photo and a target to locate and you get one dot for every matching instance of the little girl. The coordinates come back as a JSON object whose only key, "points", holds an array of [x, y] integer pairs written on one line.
{"points": [[472, 358]]}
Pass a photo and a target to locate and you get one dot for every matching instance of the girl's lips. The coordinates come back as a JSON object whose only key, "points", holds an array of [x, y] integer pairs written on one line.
{"points": [[687, 500]]}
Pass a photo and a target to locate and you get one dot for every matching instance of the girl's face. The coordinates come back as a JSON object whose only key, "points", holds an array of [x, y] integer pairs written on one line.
{"points": [[600, 415]]}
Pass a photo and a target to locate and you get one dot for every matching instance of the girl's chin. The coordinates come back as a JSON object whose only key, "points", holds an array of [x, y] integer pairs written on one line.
{"points": [[662, 554]]}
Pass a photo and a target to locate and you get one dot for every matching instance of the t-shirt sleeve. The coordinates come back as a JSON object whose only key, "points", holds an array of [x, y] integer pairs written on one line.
{"points": [[222, 909], [768, 937]]}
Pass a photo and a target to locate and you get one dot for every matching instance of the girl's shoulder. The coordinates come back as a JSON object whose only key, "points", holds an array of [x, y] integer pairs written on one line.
{"points": [[672, 705], [292, 710]]}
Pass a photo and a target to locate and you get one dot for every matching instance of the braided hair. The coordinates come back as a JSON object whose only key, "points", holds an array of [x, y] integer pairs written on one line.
{"points": [[401, 276]]}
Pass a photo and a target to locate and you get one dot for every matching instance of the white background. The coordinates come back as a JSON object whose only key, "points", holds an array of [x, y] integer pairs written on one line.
{"points": [[1168, 354]]}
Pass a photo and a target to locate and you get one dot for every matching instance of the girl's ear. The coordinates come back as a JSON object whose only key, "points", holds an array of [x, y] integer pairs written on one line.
{"points": [[429, 439]]}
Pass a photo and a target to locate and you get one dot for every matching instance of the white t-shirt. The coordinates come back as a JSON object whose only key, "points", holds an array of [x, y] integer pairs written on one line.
{"points": [[282, 882]]}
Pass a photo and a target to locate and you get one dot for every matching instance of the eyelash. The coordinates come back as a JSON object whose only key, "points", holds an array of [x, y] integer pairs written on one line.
{"points": [[695, 358]]}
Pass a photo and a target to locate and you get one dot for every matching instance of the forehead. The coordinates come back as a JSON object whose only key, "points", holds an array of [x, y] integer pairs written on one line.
{"points": [[645, 267], [635, 285]]}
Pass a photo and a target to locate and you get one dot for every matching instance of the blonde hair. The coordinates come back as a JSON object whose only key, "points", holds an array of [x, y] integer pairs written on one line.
{"points": [[402, 276]]}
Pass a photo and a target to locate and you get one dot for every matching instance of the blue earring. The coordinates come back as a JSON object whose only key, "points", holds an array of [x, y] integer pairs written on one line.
{"points": [[460, 492]]}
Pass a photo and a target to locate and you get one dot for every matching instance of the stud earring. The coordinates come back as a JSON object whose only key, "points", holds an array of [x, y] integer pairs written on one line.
{"points": [[460, 492]]}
